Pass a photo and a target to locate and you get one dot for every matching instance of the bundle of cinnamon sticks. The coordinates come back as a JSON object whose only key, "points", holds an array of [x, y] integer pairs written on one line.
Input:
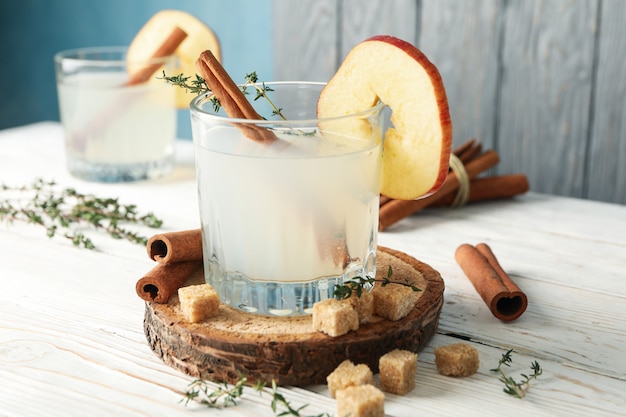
{"points": [[475, 161]]}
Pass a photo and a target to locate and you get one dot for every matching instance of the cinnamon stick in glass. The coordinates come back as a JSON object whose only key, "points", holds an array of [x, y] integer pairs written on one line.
{"points": [[231, 98], [167, 48], [503, 297]]}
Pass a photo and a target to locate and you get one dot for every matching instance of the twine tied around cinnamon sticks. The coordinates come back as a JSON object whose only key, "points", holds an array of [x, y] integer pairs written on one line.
{"points": [[462, 194], [461, 187]]}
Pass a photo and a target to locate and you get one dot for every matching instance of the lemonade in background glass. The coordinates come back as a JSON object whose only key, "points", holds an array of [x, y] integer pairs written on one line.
{"points": [[284, 222], [114, 131]]}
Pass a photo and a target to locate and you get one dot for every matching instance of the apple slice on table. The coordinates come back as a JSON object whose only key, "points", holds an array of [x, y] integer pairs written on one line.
{"points": [[154, 32], [416, 148]]}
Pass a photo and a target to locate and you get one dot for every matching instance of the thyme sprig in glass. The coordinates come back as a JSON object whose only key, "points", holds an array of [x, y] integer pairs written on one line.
{"points": [[512, 387], [197, 85], [65, 212], [358, 284]]}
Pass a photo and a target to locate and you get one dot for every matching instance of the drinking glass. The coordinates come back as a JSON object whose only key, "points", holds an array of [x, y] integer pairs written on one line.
{"points": [[285, 220], [115, 129]]}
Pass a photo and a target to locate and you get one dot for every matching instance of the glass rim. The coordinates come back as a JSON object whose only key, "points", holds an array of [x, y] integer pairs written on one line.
{"points": [[84, 55], [194, 107]]}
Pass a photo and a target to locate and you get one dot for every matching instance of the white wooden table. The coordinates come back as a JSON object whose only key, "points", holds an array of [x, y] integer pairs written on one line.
{"points": [[71, 325]]}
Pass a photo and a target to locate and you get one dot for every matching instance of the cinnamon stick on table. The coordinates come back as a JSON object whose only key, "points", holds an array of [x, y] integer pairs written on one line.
{"points": [[178, 255], [180, 246], [164, 280], [503, 297]]}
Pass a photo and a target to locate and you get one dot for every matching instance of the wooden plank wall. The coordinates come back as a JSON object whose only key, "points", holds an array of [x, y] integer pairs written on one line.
{"points": [[543, 82]]}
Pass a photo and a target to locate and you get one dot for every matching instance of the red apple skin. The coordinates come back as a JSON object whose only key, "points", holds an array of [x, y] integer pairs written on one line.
{"points": [[442, 102], [417, 151]]}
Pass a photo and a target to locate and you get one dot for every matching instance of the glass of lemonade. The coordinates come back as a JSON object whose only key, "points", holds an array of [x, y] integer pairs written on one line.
{"points": [[114, 130], [283, 222]]}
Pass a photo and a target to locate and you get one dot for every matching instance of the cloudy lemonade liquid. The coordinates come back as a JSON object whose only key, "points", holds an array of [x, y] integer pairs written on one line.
{"points": [[283, 223], [115, 132]]}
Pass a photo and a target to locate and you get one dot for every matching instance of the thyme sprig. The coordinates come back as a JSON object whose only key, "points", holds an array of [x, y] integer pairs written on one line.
{"points": [[358, 284], [197, 85], [512, 387], [282, 407], [201, 391], [226, 395], [261, 91], [67, 211]]}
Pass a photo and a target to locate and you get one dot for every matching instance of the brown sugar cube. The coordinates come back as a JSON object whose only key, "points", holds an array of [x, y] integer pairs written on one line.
{"points": [[334, 317], [397, 371], [361, 401], [393, 301], [458, 359], [347, 374], [198, 302], [364, 305]]}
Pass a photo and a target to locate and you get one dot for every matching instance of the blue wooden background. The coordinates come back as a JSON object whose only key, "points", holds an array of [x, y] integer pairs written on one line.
{"points": [[32, 31]]}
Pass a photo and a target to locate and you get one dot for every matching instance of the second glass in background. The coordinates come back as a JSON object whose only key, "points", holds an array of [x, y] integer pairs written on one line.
{"points": [[115, 131]]}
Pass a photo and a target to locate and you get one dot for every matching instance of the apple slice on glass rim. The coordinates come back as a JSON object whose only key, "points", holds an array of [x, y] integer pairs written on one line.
{"points": [[416, 148]]}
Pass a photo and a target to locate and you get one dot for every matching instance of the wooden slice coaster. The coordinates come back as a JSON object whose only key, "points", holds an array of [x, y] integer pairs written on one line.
{"points": [[287, 349]]}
